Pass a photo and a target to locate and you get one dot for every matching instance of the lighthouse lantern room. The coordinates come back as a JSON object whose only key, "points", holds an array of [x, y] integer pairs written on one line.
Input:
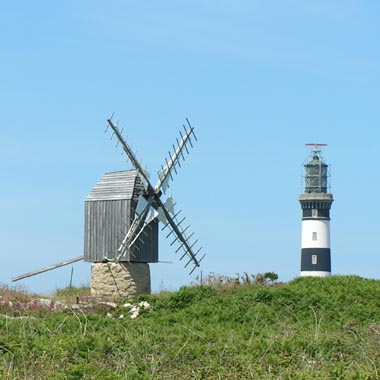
{"points": [[316, 201]]}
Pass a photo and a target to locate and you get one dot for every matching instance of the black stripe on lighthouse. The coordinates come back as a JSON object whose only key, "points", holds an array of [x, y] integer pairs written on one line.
{"points": [[315, 259]]}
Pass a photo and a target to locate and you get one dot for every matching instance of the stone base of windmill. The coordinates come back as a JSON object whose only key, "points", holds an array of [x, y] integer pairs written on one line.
{"points": [[114, 280]]}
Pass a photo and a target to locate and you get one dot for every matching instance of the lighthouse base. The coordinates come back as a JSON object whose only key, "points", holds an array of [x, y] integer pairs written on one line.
{"points": [[315, 274]]}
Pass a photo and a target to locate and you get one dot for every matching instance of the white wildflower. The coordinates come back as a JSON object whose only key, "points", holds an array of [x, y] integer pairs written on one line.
{"points": [[110, 304], [121, 316], [109, 315], [144, 304], [127, 305]]}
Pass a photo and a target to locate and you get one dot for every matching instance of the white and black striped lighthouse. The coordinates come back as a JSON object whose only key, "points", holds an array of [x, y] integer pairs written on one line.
{"points": [[316, 201]]}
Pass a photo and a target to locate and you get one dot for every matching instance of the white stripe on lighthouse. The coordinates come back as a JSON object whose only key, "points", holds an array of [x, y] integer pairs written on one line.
{"points": [[315, 273], [315, 234]]}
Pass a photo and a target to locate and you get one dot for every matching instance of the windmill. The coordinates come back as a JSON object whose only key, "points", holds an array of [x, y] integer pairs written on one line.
{"points": [[150, 205], [123, 211]]}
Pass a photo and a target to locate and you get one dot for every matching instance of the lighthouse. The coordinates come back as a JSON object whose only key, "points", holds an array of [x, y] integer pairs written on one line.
{"points": [[316, 201]]}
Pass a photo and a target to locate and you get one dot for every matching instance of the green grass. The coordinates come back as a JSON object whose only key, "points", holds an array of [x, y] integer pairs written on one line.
{"points": [[309, 328], [71, 294]]}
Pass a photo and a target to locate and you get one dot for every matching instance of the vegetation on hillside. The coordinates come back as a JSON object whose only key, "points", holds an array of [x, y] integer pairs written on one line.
{"points": [[309, 328]]}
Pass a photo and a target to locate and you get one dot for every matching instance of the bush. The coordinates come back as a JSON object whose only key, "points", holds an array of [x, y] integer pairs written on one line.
{"points": [[309, 328]]}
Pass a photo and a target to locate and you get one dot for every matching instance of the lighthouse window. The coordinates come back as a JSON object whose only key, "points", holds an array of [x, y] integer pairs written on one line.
{"points": [[314, 259], [314, 212], [314, 236]]}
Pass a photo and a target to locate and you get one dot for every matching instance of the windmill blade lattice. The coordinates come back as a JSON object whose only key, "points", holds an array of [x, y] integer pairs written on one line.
{"points": [[180, 236], [150, 205], [140, 221], [166, 173], [128, 150]]}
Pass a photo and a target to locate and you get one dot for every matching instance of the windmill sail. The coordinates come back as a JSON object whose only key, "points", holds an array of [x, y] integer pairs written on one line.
{"points": [[150, 206], [129, 152], [139, 222], [184, 241], [165, 174]]}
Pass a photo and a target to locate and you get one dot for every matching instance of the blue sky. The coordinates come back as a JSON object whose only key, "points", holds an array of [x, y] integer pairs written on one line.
{"points": [[257, 79]]}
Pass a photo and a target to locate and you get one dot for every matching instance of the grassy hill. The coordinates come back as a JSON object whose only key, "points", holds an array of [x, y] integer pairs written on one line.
{"points": [[308, 328]]}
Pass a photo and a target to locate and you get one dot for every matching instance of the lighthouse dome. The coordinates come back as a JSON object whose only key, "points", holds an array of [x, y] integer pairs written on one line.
{"points": [[316, 174]]}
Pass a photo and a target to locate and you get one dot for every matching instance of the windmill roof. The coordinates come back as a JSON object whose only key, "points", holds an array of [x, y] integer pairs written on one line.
{"points": [[114, 186]]}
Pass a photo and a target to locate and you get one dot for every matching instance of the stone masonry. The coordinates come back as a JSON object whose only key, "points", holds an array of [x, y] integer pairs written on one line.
{"points": [[113, 280]]}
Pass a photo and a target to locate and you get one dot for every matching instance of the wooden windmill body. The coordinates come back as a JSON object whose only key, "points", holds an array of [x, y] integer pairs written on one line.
{"points": [[109, 211]]}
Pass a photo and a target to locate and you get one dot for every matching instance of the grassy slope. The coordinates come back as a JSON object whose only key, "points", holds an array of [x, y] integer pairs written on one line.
{"points": [[307, 329]]}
